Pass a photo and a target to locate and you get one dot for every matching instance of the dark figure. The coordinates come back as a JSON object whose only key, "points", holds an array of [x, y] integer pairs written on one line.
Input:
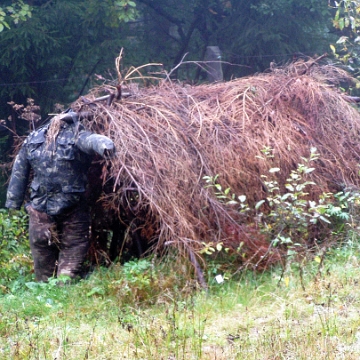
{"points": [[60, 155]]}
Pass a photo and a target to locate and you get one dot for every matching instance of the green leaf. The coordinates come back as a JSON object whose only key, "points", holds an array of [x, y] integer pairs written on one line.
{"points": [[342, 40], [96, 291], [309, 170], [285, 196], [273, 170], [289, 187], [341, 23], [325, 219], [258, 204]]}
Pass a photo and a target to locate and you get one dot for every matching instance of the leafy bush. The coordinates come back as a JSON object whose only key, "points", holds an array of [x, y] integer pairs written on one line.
{"points": [[15, 259], [295, 219], [290, 217]]}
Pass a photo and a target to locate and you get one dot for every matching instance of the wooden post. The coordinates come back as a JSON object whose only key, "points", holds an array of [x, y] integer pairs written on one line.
{"points": [[213, 64]]}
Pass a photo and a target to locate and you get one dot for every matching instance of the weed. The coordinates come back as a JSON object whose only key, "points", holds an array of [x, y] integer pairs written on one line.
{"points": [[15, 258], [246, 317], [288, 218]]}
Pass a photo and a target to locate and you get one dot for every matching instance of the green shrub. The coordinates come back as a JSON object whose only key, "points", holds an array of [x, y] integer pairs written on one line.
{"points": [[15, 258], [287, 216]]}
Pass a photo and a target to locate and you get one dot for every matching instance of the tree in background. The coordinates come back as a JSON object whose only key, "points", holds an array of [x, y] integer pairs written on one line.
{"points": [[52, 55], [251, 34]]}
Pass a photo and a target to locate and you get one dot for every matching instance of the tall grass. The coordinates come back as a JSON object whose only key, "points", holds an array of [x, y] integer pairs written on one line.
{"points": [[146, 310]]}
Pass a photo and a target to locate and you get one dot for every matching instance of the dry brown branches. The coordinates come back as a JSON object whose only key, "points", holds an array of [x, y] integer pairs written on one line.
{"points": [[170, 136]]}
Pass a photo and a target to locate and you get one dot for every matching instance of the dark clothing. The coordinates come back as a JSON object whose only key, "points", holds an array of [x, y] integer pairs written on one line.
{"points": [[59, 244], [59, 216], [60, 168]]}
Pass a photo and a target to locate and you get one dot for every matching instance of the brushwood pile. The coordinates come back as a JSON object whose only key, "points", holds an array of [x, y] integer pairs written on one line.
{"points": [[172, 137]]}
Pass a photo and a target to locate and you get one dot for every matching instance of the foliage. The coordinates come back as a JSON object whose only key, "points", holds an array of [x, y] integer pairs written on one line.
{"points": [[14, 13], [52, 55], [138, 282], [55, 55], [346, 21], [225, 194], [114, 12], [15, 260], [346, 15], [248, 316], [288, 218], [291, 214]]}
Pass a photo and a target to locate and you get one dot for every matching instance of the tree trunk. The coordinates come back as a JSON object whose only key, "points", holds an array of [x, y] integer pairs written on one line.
{"points": [[213, 64]]}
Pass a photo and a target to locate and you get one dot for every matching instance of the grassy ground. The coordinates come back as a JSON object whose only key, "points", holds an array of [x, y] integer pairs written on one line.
{"points": [[141, 311]]}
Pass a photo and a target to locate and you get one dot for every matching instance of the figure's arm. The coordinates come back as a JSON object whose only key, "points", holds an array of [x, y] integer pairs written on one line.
{"points": [[18, 180], [91, 143]]}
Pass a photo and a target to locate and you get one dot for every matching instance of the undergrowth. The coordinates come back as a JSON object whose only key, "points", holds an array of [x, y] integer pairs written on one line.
{"points": [[153, 308], [250, 316], [15, 259], [290, 220]]}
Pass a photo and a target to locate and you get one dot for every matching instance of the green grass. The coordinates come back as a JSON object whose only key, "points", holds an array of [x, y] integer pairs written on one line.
{"points": [[147, 311]]}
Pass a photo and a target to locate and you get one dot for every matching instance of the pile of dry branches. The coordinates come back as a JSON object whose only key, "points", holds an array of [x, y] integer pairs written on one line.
{"points": [[169, 136]]}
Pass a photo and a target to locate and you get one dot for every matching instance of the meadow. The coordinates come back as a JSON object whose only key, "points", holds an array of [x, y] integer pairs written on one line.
{"points": [[146, 309]]}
